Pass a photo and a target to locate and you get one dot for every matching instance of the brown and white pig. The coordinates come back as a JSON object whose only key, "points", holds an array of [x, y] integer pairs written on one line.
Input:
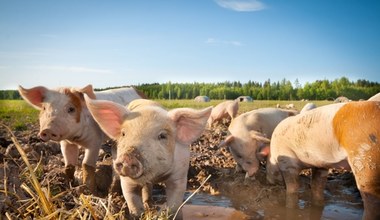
{"points": [[344, 135], [152, 146], [224, 109], [249, 135], [65, 118]]}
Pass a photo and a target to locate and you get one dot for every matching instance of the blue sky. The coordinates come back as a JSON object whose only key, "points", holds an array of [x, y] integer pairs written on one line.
{"points": [[129, 42]]}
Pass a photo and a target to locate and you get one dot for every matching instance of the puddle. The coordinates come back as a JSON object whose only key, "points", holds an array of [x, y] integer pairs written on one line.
{"points": [[258, 200], [206, 199], [335, 210]]}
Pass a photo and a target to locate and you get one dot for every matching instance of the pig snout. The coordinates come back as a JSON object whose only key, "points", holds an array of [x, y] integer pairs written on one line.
{"points": [[48, 134], [128, 165]]}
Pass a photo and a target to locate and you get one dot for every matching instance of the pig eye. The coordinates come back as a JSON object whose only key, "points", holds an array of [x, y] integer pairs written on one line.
{"points": [[123, 133], [163, 136], [71, 110]]}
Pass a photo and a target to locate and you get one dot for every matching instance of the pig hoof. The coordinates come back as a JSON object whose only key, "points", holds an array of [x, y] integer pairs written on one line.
{"points": [[89, 177], [69, 172]]}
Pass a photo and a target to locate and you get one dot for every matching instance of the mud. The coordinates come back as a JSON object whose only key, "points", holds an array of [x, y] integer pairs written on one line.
{"points": [[226, 192]]}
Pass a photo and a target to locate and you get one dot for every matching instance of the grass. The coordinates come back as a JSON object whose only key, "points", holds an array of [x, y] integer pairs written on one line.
{"points": [[17, 114], [243, 106]]}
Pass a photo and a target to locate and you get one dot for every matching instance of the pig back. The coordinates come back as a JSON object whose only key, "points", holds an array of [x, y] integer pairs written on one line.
{"points": [[263, 120], [122, 96], [309, 137]]}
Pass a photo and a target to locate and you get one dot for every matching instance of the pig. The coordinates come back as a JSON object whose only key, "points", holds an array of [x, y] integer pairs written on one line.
{"points": [[307, 107], [375, 97], [64, 118], [344, 135], [224, 110], [290, 106], [152, 146], [250, 133]]}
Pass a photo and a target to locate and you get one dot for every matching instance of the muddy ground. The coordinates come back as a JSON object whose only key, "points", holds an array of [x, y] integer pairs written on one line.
{"points": [[226, 187]]}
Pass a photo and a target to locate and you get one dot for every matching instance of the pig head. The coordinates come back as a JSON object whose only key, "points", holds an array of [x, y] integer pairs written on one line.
{"points": [[250, 135], [65, 118], [152, 146]]}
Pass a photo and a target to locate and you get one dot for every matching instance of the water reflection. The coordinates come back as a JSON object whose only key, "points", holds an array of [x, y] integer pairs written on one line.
{"points": [[335, 210]]}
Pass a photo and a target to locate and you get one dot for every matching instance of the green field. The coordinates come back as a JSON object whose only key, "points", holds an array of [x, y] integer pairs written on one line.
{"points": [[18, 114]]}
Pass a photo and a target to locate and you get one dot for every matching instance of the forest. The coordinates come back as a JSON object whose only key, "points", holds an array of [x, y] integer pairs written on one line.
{"points": [[280, 90]]}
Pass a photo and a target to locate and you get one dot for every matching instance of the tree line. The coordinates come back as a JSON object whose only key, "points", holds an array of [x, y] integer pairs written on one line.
{"points": [[280, 90]]}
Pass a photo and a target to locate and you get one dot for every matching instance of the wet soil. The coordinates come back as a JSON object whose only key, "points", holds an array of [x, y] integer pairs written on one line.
{"points": [[225, 192]]}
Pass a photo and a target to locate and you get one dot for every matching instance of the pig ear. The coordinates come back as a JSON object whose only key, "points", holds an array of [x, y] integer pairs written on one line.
{"points": [[263, 152], [108, 115], [259, 137], [190, 123], [88, 90], [228, 140], [33, 96]]}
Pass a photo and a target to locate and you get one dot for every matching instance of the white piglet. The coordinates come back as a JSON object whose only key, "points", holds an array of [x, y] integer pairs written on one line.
{"points": [[250, 135], [226, 109], [64, 118], [152, 146]]}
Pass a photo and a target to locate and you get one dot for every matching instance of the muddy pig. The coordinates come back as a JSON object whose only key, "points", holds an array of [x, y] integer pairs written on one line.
{"points": [[344, 135], [152, 146], [65, 118], [249, 136], [224, 110]]}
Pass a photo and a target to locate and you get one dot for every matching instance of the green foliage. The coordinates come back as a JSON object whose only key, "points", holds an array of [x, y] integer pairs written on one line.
{"points": [[283, 90], [9, 94]]}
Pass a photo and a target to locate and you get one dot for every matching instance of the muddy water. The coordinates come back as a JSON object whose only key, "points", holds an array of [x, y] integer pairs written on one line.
{"points": [[258, 200], [332, 210]]}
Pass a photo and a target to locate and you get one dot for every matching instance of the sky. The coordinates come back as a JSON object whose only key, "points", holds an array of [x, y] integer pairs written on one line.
{"points": [[131, 42]]}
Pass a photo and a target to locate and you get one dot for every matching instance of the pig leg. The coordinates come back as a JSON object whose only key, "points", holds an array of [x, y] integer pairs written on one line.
{"points": [[290, 172], [175, 191], [89, 167], [115, 186], [368, 183], [132, 195], [147, 195], [70, 154], [318, 183]]}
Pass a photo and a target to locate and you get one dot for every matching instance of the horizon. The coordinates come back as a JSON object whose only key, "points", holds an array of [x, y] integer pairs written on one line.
{"points": [[198, 82]]}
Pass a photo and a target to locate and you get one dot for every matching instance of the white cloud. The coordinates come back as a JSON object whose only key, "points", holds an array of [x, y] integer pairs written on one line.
{"points": [[213, 41], [242, 5], [72, 69]]}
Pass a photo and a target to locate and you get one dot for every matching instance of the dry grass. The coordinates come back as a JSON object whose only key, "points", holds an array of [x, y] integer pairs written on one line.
{"points": [[41, 203]]}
